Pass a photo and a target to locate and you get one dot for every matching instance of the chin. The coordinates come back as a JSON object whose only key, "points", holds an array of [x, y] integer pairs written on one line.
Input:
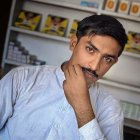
{"points": [[90, 79], [90, 82]]}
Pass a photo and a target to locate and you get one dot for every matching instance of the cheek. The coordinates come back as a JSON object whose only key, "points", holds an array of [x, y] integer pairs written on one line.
{"points": [[104, 69], [80, 56]]}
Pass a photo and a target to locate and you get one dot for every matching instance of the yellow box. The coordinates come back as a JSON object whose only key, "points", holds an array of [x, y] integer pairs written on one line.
{"points": [[124, 6], [73, 27], [135, 9], [55, 25], [133, 43], [111, 5], [28, 20]]}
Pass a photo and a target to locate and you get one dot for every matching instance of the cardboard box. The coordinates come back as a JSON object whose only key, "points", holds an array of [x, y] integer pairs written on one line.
{"points": [[135, 9], [73, 28], [55, 25], [111, 5], [28, 20], [133, 44], [124, 6]]}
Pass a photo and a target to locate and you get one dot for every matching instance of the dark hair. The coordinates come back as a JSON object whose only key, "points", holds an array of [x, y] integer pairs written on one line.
{"points": [[102, 25]]}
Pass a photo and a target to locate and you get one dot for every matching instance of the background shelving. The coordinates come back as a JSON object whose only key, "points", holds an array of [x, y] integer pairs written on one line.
{"points": [[88, 9], [120, 85], [39, 34], [55, 49], [122, 81], [58, 38]]}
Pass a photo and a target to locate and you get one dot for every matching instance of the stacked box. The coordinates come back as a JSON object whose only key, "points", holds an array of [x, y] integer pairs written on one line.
{"points": [[18, 53], [131, 111]]}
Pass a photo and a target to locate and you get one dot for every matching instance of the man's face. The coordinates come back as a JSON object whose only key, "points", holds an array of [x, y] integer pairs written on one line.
{"points": [[95, 54]]}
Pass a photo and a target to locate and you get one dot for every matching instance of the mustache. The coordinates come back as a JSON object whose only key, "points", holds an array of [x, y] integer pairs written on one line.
{"points": [[90, 71]]}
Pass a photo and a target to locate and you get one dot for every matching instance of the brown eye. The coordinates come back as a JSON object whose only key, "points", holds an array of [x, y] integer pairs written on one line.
{"points": [[89, 49], [108, 59]]}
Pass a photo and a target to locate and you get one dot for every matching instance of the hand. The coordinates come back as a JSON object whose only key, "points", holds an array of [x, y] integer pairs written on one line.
{"points": [[77, 94]]}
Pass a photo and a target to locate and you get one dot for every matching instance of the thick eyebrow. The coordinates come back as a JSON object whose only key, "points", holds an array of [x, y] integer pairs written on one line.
{"points": [[93, 46], [106, 55]]}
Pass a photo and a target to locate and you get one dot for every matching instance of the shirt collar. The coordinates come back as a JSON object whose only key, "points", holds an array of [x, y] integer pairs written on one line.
{"points": [[60, 76]]}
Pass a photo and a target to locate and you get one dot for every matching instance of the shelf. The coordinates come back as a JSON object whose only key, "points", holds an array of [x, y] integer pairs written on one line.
{"points": [[119, 15], [68, 5], [131, 54], [58, 38], [119, 85], [88, 9], [132, 123], [58, 51], [39, 34]]}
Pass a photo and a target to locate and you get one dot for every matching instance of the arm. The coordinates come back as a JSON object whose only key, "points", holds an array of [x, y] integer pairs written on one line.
{"points": [[92, 131], [109, 114], [109, 118], [110, 121], [77, 94], [8, 93]]}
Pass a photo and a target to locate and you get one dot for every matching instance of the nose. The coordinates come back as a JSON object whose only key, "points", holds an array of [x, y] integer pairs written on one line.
{"points": [[95, 63]]}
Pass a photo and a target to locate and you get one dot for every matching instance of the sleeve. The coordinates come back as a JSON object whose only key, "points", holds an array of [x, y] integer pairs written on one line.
{"points": [[108, 124], [113, 127], [8, 94], [91, 131]]}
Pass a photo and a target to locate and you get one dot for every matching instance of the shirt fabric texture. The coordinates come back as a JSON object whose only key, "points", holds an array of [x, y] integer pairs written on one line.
{"points": [[33, 106]]}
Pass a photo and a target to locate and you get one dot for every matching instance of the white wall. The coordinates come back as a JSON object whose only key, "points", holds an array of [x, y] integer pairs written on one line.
{"points": [[127, 70]]}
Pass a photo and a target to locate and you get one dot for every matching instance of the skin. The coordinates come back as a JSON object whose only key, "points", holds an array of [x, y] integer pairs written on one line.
{"points": [[96, 52]]}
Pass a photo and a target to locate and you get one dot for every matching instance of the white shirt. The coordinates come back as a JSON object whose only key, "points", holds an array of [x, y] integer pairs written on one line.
{"points": [[33, 106]]}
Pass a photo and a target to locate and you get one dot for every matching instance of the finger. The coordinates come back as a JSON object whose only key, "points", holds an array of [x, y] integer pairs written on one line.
{"points": [[74, 68], [78, 69], [71, 70]]}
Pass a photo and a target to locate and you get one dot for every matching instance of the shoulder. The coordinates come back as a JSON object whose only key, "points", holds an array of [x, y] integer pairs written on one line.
{"points": [[24, 73], [32, 69]]}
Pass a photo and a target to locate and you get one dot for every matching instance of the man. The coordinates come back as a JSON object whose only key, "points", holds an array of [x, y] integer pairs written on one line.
{"points": [[66, 103]]}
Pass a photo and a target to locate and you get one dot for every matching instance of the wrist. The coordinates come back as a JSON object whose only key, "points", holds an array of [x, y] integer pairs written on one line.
{"points": [[84, 115]]}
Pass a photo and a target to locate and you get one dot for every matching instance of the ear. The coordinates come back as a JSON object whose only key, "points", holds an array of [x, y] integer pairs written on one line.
{"points": [[73, 42]]}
